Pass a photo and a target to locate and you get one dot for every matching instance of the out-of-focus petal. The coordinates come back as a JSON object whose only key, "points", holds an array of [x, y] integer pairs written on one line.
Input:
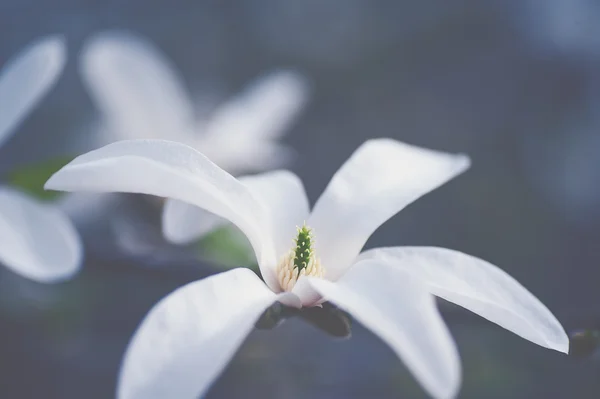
{"points": [[183, 223], [84, 208], [263, 110], [243, 156], [241, 134], [25, 79], [36, 240], [138, 91]]}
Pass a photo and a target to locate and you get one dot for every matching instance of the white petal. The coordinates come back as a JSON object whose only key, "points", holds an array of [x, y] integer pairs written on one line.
{"points": [[26, 78], [183, 223], [136, 88], [36, 240], [263, 110], [380, 178], [480, 287], [305, 292], [397, 307], [188, 338], [240, 135], [173, 170], [281, 192]]}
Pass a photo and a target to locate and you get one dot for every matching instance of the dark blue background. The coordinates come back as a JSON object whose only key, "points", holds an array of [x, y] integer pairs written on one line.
{"points": [[512, 83]]}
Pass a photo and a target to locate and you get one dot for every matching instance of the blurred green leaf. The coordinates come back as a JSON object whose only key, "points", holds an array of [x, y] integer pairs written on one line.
{"points": [[228, 247], [31, 178]]}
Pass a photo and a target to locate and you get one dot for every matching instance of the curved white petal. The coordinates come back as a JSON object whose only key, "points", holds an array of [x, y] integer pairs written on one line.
{"points": [[281, 192], [397, 307], [262, 111], [138, 91], [26, 78], [188, 338], [36, 240], [380, 178], [480, 287], [173, 170]]}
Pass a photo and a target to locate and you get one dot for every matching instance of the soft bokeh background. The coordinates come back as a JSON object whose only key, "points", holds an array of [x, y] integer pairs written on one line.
{"points": [[516, 84]]}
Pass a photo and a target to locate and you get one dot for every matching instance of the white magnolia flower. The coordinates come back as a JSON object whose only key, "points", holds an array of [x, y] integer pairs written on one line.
{"points": [[36, 239], [188, 338]]}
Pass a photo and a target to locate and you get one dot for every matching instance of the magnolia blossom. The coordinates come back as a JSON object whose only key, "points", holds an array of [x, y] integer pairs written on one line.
{"points": [[306, 257], [36, 239], [141, 96]]}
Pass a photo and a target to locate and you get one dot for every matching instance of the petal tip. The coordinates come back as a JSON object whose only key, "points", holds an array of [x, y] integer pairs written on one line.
{"points": [[562, 344], [53, 49], [461, 163], [464, 161], [55, 43], [51, 183]]}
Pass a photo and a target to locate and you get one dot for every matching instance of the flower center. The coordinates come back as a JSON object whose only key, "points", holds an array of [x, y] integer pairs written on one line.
{"points": [[299, 261]]}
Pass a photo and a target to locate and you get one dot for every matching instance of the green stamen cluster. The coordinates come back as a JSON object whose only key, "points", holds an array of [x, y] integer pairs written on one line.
{"points": [[304, 248]]}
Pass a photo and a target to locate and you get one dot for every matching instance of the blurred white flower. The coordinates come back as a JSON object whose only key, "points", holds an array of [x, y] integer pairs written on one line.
{"points": [[36, 240], [141, 96], [188, 338]]}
